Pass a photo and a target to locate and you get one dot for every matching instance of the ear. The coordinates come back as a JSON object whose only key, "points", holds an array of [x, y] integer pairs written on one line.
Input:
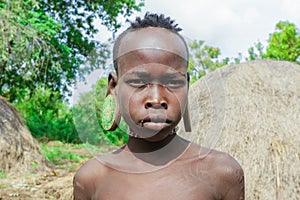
{"points": [[110, 111], [112, 83]]}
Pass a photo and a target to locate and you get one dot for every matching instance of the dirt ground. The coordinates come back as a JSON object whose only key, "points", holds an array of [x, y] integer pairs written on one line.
{"points": [[55, 183]]}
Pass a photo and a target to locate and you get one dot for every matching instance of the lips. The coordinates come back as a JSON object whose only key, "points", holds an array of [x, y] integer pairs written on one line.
{"points": [[155, 122], [155, 119]]}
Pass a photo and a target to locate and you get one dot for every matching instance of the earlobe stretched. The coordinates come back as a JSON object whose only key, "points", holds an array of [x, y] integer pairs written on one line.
{"points": [[112, 83], [186, 119], [110, 110], [186, 114], [188, 77]]}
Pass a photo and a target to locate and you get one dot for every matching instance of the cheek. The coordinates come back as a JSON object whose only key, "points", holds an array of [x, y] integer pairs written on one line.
{"points": [[179, 101], [129, 102], [121, 98]]}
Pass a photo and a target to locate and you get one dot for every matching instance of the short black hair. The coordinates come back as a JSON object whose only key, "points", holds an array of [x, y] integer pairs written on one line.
{"points": [[149, 20], [155, 20]]}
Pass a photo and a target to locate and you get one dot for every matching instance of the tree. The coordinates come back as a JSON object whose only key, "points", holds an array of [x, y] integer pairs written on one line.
{"points": [[26, 48], [283, 44], [43, 46], [204, 58], [47, 117], [44, 43], [77, 20]]}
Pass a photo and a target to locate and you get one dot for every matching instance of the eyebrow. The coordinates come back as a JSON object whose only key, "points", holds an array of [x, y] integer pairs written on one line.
{"points": [[172, 75]]}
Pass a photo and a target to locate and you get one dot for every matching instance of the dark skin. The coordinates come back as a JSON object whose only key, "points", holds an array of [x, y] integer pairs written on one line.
{"points": [[151, 90]]}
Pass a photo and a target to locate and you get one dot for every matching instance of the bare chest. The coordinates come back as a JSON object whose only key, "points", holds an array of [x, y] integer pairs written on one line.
{"points": [[173, 185]]}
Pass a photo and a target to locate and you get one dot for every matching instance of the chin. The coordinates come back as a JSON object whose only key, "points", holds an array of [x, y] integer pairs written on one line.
{"points": [[154, 135]]}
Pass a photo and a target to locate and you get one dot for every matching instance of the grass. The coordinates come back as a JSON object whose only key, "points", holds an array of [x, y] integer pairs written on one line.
{"points": [[3, 175], [60, 153], [56, 156]]}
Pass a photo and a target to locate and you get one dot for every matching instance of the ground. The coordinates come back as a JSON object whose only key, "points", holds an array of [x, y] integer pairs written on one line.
{"points": [[54, 183]]}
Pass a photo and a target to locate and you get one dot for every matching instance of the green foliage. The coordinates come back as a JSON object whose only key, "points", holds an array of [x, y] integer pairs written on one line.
{"points": [[255, 52], [283, 44], [66, 155], [119, 136], [26, 48], [58, 155], [86, 122], [44, 43], [79, 15], [43, 47], [77, 21], [204, 58], [2, 175], [87, 116], [47, 117], [34, 165]]}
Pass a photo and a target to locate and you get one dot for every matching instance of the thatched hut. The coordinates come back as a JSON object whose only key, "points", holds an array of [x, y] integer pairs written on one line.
{"points": [[19, 151], [252, 111]]}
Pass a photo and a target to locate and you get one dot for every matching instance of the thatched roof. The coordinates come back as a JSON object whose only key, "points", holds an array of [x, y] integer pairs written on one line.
{"points": [[252, 111], [19, 151]]}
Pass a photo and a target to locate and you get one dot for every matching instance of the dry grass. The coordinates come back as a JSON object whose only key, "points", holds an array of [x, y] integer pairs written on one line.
{"points": [[252, 111], [19, 151]]}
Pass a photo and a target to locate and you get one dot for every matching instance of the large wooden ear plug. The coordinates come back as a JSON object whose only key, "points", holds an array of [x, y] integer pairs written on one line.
{"points": [[110, 114]]}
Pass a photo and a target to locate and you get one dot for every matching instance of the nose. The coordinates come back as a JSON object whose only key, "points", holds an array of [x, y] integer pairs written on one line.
{"points": [[156, 97]]}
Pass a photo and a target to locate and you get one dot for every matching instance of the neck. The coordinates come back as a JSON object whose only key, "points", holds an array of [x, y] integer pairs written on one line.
{"points": [[159, 152], [142, 145]]}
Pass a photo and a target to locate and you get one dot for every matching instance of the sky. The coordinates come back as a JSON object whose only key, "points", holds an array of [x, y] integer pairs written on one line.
{"points": [[231, 25]]}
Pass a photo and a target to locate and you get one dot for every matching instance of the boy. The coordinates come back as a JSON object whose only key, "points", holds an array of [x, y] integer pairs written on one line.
{"points": [[150, 88]]}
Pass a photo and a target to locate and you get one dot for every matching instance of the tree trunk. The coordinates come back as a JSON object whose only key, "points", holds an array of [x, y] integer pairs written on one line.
{"points": [[19, 151]]}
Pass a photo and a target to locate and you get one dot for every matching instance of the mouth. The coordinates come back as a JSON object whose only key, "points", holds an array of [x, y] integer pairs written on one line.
{"points": [[155, 123]]}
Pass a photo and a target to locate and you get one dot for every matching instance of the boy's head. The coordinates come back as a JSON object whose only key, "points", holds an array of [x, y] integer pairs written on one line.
{"points": [[165, 29], [151, 85]]}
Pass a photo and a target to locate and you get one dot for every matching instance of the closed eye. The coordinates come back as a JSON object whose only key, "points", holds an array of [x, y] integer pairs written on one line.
{"points": [[137, 82], [174, 83]]}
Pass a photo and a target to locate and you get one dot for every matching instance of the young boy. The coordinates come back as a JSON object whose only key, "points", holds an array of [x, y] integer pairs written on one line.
{"points": [[150, 90]]}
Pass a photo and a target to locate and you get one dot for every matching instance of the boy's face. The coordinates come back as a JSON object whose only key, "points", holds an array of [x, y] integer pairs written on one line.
{"points": [[152, 83]]}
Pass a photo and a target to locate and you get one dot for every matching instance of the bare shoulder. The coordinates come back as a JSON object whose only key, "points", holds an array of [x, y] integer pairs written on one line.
{"points": [[230, 175], [227, 167], [226, 174], [86, 177]]}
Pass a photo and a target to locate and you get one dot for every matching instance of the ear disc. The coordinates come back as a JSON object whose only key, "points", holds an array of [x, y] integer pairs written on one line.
{"points": [[110, 114]]}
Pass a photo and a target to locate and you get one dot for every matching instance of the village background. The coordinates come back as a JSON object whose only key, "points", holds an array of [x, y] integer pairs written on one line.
{"points": [[55, 57]]}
